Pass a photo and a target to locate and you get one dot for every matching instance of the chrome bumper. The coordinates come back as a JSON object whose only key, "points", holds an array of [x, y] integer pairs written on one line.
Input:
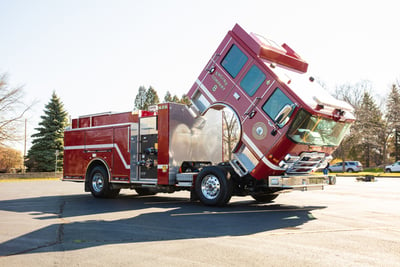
{"points": [[301, 182]]}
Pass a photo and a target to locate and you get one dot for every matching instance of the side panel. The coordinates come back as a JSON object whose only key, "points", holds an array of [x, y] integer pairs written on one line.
{"points": [[163, 144], [83, 146], [99, 145], [104, 119], [134, 152], [121, 155], [96, 139], [113, 119], [73, 157]]}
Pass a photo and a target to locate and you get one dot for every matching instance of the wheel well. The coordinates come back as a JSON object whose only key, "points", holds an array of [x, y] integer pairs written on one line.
{"points": [[92, 164], [221, 106]]}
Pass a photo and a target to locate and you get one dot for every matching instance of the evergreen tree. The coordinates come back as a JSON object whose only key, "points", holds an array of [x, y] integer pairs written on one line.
{"points": [[393, 120], [49, 138], [185, 100], [369, 128], [167, 97], [175, 99], [393, 107], [151, 98], [140, 100], [146, 98]]}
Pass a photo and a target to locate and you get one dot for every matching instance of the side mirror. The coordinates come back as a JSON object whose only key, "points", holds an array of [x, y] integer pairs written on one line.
{"points": [[282, 116]]}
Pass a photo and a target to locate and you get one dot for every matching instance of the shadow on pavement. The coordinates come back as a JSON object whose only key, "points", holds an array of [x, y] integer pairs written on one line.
{"points": [[141, 219]]}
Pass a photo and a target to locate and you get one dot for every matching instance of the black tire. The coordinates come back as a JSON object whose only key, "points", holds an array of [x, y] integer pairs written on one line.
{"points": [[145, 191], [264, 198], [388, 170], [350, 170], [99, 185], [214, 186]]}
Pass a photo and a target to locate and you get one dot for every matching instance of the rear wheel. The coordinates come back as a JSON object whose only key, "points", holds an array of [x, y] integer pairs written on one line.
{"points": [[145, 191], [264, 198], [214, 186], [99, 185]]}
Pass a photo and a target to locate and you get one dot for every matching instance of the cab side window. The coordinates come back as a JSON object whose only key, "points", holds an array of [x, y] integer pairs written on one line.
{"points": [[234, 61], [275, 103], [253, 79]]}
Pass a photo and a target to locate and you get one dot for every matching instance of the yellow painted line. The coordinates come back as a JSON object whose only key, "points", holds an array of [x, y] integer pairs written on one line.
{"points": [[353, 174], [4, 180]]}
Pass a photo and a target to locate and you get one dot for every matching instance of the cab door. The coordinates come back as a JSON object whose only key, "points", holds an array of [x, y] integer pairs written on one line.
{"points": [[261, 126], [217, 82]]}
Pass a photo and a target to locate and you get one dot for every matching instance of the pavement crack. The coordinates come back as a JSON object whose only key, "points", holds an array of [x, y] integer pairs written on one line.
{"points": [[60, 231], [59, 237]]}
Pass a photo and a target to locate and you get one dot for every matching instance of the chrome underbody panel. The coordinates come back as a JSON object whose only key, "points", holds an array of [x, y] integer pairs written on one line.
{"points": [[300, 182]]}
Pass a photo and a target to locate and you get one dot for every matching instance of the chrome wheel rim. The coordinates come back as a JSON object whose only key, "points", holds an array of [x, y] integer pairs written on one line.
{"points": [[210, 187], [98, 182]]}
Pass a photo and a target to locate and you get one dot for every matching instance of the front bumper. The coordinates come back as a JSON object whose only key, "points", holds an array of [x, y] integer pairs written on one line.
{"points": [[301, 182]]}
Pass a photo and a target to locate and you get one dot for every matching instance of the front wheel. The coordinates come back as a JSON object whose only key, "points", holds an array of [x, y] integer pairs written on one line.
{"points": [[214, 186], [388, 170], [99, 184]]}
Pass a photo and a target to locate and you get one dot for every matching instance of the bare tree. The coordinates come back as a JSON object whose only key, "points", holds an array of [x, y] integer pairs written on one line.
{"points": [[353, 93], [363, 132], [12, 109], [230, 133]]}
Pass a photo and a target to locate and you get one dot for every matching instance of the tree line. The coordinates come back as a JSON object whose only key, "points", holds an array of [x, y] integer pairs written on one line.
{"points": [[145, 98], [374, 139]]}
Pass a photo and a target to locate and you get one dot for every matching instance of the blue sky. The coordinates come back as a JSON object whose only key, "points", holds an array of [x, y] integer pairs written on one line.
{"points": [[96, 54]]}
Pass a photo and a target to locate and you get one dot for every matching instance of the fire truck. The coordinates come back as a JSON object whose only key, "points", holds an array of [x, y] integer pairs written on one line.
{"points": [[289, 126]]}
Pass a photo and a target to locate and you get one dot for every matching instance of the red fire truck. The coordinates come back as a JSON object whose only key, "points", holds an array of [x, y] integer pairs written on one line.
{"points": [[289, 126]]}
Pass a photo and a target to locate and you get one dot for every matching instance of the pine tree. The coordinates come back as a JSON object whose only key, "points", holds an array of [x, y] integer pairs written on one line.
{"points": [[369, 129], [49, 138], [151, 98], [167, 97], [146, 98], [175, 99], [140, 100], [393, 118], [185, 100], [352, 94]]}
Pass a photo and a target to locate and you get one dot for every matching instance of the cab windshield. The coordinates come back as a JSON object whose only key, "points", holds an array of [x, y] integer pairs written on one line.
{"points": [[316, 130]]}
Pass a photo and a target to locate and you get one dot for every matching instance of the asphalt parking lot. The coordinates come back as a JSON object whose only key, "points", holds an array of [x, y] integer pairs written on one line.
{"points": [[54, 223]]}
